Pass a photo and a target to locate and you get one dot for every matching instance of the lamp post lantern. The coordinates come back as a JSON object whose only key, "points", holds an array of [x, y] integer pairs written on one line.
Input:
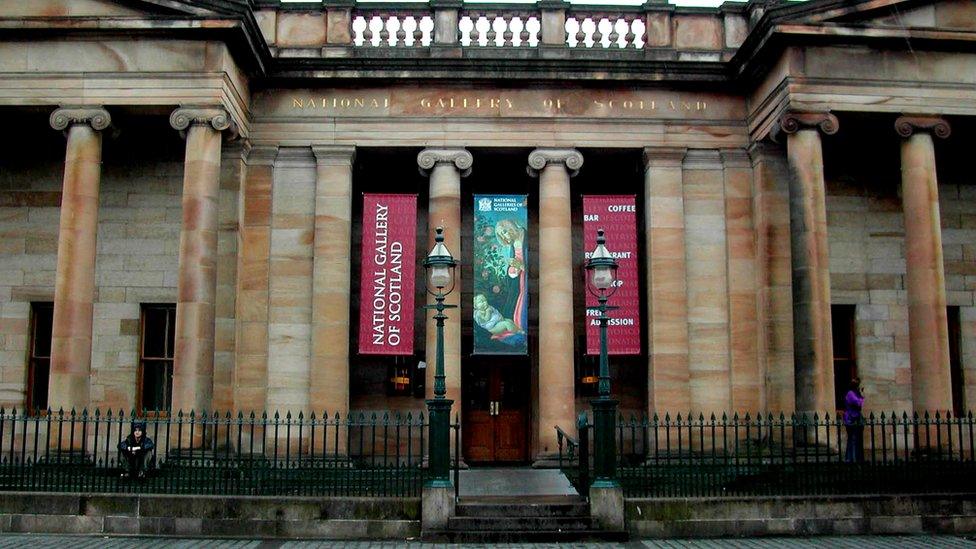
{"points": [[440, 266], [601, 281]]}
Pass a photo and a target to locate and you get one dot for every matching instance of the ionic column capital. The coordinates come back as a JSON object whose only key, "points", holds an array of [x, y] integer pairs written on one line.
{"points": [[794, 121], [540, 158], [96, 117], [909, 124], [461, 158], [334, 155], [215, 117], [664, 156]]}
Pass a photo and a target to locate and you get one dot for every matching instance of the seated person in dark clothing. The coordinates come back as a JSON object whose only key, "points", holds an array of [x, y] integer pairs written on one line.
{"points": [[137, 449]]}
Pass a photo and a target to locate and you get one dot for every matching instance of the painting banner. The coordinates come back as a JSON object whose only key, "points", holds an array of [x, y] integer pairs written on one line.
{"points": [[500, 306], [617, 216], [386, 300]]}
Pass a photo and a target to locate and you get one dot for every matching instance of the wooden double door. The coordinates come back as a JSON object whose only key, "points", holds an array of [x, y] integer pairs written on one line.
{"points": [[496, 413]]}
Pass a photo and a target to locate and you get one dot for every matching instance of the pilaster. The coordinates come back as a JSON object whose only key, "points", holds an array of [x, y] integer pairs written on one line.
{"points": [[331, 279], [667, 303]]}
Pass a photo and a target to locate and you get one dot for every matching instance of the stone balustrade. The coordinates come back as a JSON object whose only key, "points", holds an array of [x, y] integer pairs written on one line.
{"points": [[311, 30]]}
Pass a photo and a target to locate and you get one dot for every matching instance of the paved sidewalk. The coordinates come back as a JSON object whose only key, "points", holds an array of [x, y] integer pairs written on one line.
{"points": [[43, 541]]}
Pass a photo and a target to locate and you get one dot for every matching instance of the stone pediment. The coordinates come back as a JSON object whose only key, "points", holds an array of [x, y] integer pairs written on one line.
{"points": [[907, 14]]}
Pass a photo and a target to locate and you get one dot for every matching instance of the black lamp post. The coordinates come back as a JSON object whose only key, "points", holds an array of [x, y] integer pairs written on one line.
{"points": [[601, 271], [440, 265]]}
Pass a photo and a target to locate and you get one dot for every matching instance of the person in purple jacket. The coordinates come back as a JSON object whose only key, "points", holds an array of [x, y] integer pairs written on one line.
{"points": [[853, 403]]}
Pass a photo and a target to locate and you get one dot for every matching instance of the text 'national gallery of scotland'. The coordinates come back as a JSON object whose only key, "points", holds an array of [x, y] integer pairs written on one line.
{"points": [[226, 204]]}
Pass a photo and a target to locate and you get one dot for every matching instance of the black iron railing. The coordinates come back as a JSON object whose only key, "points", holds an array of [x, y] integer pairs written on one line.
{"points": [[363, 454], [765, 454]]}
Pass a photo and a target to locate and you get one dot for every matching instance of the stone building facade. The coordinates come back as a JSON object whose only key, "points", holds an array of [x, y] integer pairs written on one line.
{"points": [[180, 201]]}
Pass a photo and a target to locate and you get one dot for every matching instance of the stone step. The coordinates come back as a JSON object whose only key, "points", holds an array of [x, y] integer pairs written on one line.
{"points": [[531, 506], [523, 536], [503, 510], [466, 524]]}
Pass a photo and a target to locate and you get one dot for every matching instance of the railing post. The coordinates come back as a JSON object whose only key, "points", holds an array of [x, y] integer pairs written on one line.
{"points": [[658, 37], [445, 40], [553, 21], [338, 22]]}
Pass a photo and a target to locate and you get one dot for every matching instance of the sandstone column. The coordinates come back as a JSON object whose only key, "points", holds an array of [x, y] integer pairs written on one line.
{"points": [[446, 167], [74, 286], [812, 343], [197, 283], [331, 282], [668, 389], [557, 407], [928, 330]]}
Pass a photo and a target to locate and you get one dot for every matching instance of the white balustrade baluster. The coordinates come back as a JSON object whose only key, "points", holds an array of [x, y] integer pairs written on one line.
{"points": [[359, 30], [592, 32], [640, 33], [483, 27], [600, 38], [523, 32], [376, 25], [466, 29]]}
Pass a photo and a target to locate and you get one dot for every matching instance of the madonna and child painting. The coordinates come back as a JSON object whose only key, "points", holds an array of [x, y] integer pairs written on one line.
{"points": [[500, 305]]}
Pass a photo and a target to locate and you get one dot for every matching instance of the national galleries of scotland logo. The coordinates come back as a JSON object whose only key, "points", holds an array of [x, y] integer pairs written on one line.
{"points": [[484, 205]]}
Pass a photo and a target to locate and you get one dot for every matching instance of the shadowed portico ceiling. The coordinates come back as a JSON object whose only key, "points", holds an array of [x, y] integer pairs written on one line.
{"points": [[729, 46]]}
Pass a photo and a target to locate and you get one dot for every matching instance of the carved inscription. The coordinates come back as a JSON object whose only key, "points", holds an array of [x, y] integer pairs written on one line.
{"points": [[514, 103]]}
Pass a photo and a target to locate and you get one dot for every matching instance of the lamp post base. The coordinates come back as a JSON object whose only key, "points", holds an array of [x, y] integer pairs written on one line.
{"points": [[439, 449], [604, 445]]}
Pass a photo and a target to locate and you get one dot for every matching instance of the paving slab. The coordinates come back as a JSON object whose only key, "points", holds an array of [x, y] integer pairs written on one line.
{"points": [[47, 541]]}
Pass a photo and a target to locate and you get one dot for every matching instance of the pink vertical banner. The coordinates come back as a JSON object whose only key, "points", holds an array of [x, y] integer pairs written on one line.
{"points": [[386, 277], [617, 216]]}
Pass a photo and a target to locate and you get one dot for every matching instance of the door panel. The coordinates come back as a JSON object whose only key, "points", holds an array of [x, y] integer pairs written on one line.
{"points": [[496, 399]]}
